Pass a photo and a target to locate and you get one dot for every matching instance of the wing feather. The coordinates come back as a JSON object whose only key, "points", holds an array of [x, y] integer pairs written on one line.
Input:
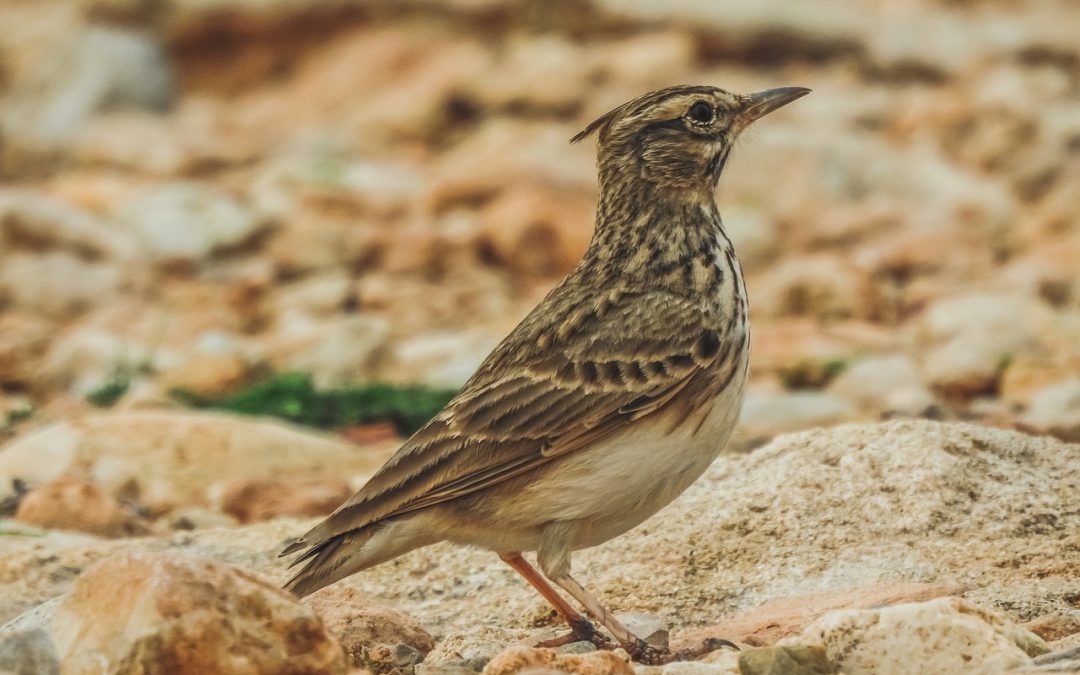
{"points": [[598, 366]]}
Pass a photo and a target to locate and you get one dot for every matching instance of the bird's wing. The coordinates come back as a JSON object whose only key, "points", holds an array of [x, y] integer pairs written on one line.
{"points": [[552, 387]]}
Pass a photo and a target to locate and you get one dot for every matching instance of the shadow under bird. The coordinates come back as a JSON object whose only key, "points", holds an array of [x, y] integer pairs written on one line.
{"points": [[607, 401]]}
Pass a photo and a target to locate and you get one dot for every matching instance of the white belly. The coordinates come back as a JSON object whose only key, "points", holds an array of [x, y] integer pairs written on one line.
{"points": [[617, 484]]}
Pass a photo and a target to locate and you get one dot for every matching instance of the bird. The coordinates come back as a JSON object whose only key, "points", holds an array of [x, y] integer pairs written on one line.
{"points": [[607, 401]]}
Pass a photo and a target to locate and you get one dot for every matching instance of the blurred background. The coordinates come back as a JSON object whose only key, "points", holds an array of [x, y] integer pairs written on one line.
{"points": [[331, 211]]}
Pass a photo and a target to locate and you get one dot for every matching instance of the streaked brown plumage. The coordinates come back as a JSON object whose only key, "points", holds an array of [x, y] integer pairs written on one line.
{"points": [[609, 398]]}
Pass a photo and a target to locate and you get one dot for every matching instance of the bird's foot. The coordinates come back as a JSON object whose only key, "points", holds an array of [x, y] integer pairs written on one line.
{"points": [[649, 655], [580, 631]]}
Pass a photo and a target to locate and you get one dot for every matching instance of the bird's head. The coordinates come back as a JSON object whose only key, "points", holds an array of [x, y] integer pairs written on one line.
{"points": [[679, 137]]}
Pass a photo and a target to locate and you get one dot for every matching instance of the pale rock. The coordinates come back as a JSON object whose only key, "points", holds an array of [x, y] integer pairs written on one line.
{"points": [[785, 660], [187, 221], [476, 644], [972, 337], [340, 350], [766, 624], [888, 384], [647, 60], [502, 154], [83, 359], [947, 635], [367, 631], [536, 73], [534, 231], [1056, 410], [100, 68], [30, 216], [442, 359], [24, 338], [28, 652], [768, 414], [753, 233], [56, 283], [153, 612], [164, 460], [196, 518], [824, 287], [206, 375], [80, 506], [540, 660], [253, 499], [320, 295]]}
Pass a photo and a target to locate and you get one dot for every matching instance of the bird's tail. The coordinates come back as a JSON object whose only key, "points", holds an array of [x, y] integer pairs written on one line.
{"points": [[330, 561], [355, 550]]}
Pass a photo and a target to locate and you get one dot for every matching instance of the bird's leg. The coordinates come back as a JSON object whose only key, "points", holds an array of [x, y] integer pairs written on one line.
{"points": [[632, 643], [581, 628]]}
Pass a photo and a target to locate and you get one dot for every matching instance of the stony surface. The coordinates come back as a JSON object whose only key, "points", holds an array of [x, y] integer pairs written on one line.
{"points": [[157, 613], [884, 513], [165, 460]]}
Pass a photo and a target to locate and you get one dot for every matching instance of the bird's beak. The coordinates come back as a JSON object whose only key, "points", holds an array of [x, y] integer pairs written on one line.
{"points": [[762, 103]]}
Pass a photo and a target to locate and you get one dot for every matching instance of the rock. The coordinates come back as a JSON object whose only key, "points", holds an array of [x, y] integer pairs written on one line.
{"points": [[539, 660], [373, 636], [442, 359], [767, 624], [73, 504], [28, 216], [197, 518], [164, 460], [1064, 661], [754, 235], [207, 376], [545, 73], [535, 231], [823, 512], [24, 338], [768, 414], [477, 644], [28, 652], [972, 338], [824, 287], [794, 660], [253, 499], [187, 222], [158, 613], [335, 352], [100, 68], [886, 385], [947, 635], [1056, 410], [1056, 625], [56, 283]]}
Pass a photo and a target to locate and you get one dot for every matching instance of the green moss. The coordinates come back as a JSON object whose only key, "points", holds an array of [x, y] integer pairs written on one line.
{"points": [[112, 391], [294, 397]]}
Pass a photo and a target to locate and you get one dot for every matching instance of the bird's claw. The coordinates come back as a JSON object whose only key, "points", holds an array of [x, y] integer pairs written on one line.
{"points": [[647, 654]]}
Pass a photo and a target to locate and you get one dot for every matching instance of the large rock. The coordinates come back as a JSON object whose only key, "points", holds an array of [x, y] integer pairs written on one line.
{"points": [[155, 613], [983, 510], [946, 635], [371, 634], [187, 222], [72, 504], [163, 460]]}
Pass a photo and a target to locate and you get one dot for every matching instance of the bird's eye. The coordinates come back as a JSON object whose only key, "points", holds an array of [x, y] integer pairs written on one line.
{"points": [[701, 112]]}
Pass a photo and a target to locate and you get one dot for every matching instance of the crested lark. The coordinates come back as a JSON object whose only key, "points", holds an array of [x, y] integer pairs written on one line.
{"points": [[608, 400]]}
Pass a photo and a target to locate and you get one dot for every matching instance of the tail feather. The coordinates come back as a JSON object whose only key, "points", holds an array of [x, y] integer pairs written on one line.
{"points": [[329, 561]]}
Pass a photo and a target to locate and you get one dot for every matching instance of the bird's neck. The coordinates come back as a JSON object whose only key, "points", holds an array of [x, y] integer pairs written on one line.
{"points": [[660, 238]]}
